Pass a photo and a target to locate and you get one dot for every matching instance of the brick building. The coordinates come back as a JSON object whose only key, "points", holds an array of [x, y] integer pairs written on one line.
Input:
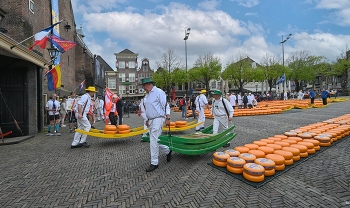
{"points": [[22, 81]]}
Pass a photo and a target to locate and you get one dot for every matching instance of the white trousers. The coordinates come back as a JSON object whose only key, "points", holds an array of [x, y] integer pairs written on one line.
{"points": [[220, 121], [143, 115], [100, 114], [155, 130], [201, 118], [83, 124]]}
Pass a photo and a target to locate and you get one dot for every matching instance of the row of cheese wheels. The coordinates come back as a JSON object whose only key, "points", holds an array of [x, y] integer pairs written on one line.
{"points": [[177, 124], [121, 129]]}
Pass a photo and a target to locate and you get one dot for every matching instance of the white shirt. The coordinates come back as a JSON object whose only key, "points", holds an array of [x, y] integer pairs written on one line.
{"points": [[155, 104], [142, 107], [53, 105], [84, 99], [218, 108], [250, 98], [201, 101], [233, 100]]}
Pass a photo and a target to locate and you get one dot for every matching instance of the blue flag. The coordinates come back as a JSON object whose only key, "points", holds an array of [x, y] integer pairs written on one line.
{"points": [[282, 78]]}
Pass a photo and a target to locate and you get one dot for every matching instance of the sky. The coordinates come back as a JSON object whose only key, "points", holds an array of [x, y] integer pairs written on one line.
{"points": [[224, 28]]}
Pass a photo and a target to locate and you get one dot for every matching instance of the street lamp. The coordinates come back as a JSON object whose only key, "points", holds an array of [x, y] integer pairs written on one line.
{"points": [[53, 52], [256, 87], [282, 42], [187, 33]]}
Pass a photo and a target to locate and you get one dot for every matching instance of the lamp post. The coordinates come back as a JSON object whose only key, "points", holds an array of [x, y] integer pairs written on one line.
{"points": [[256, 87], [282, 42], [187, 33], [53, 52]]}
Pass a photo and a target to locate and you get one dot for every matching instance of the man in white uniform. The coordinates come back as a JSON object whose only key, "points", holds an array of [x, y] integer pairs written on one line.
{"points": [[201, 103], [142, 113], [250, 99], [233, 99], [53, 108], [240, 100], [157, 112], [222, 111], [81, 110]]}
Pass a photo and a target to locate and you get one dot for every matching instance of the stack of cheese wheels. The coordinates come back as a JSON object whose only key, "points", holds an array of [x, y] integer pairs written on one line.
{"points": [[290, 141], [260, 143], [235, 165], [274, 146], [241, 149], [266, 150], [305, 135], [280, 136], [274, 139], [172, 124], [310, 147], [268, 164], [249, 158], [252, 146], [278, 159], [302, 149], [332, 135], [220, 159], [282, 143], [315, 142], [232, 152], [288, 156], [268, 141], [294, 151], [253, 172], [257, 153], [325, 140], [180, 124], [290, 134], [123, 129], [110, 129]]}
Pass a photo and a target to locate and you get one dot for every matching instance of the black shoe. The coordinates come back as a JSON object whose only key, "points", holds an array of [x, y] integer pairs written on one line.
{"points": [[93, 127], [197, 130], [76, 146], [202, 128], [151, 168], [227, 145], [168, 156], [85, 145]]}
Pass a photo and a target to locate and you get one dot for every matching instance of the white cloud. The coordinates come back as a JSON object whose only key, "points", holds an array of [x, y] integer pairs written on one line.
{"points": [[208, 4], [95, 6], [341, 14], [251, 14], [247, 3]]}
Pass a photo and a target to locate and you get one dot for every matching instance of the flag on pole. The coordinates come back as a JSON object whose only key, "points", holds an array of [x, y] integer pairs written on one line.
{"points": [[81, 86], [282, 78], [108, 103], [61, 44], [41, 37], [54, 78]]}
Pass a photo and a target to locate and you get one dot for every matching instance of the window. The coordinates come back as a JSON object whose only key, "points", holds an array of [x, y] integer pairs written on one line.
{"points": [[31, 6], [213, 85], [132, 77], [122, 89], [121, 64], [112, 83], [145, 68], [132, 64], [121, 77], [132, 89]]}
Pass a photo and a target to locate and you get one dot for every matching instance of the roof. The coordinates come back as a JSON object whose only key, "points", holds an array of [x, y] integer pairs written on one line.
{"points": [[126, 51]]}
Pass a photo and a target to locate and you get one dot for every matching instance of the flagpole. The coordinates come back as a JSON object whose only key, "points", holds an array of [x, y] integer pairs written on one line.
{"points": [[78, 86], [28, 38]]}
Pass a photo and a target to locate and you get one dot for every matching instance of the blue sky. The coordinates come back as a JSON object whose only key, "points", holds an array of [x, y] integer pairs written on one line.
{"points": [[226, 28]]}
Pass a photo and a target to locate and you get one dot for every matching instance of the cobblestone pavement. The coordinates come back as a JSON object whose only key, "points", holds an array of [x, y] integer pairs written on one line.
{"points": [[44, 172]]}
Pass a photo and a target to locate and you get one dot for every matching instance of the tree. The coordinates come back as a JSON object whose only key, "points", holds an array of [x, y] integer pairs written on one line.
{"points": [[239, 71], [341, 67], [207, 67]]}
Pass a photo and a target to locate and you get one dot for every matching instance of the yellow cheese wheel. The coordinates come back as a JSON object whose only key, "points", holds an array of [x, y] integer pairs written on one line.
{"points": [[274, 146], [287, 155], [249, 158], [172, 123], [257, 153], [269, 172], [290, 134], [278, 159], [313, 132], [268, 141], [280, 167], [124, 131], [317, 147], [303, 154], [234, 170], [305, 135], [241, 149], [219, 163], [325, 144], [266, 150], [275, 139], [302, 148], [253, 178], [232, 152], [309, 145], [252, 146], [290, 141], [293, 150], [313, 141], [260, 143], [311, 151], [283, 144], [110, 128], [298, 139], [236, 162], [179, 123], [289, 162], [253, 169], [266, 163], [280, 136], [323, 139], [110, 132], [296, 158], [221, 156], [123, 127]]}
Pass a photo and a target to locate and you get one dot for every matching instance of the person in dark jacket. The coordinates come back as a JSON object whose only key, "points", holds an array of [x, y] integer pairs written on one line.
{"points": [[312, 96], [324, 95], [245, 100], [120, 105]]}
